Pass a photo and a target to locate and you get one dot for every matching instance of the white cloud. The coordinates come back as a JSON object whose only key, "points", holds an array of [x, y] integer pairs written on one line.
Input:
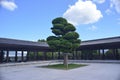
{"points": [[99, 1], [93, 28], [108, 11], [116, 5], [82, 12], [10, 5]]}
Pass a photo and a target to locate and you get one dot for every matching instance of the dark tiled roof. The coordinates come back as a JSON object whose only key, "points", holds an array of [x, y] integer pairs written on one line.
{"points": [[113, 42], [101, 41], [105, 43], [22, 42]]}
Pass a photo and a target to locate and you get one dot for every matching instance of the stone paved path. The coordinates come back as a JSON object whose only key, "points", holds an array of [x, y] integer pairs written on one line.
{"points": [[94, 71]]}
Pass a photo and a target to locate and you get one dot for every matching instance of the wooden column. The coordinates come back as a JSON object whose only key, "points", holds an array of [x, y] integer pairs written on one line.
{"points": [[73, 56], [44, 56], [7, 56], [76, 55], [81, 55], [91, 54], [103, 56], [52, 55], [34, 55], [27, 56], [58, 54], [22, 56], [114, 53], [37, 55], [117, 54], [1, 56], [16, 56], [99, 54], [86, 55]]}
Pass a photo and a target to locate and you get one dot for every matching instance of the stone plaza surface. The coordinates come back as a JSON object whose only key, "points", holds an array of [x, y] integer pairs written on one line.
{"points": [[94, 71]]}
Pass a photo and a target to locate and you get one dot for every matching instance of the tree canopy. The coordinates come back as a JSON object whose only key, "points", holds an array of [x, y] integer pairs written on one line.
{"points": [[41, 40], [65, 38]]}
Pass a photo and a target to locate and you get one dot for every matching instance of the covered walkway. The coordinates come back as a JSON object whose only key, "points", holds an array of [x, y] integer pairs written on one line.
{"points": [[88, 50]]}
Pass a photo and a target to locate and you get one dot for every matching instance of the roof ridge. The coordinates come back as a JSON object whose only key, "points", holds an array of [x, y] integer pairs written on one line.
{"points": [[102, 39]]}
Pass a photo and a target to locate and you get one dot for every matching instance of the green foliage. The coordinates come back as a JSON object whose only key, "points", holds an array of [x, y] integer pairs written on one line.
{"points": [[59, 20], [55, 44], [65, 39], [110, 51], [57, 31], [65, 45], [58, 26], [71, 35], [40, 54], [69, 27], [41, 40], [31, 55], [52, 38]]}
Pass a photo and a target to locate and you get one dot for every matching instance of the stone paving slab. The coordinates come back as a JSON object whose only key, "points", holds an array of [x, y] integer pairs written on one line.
{"points": [[94, 71]]}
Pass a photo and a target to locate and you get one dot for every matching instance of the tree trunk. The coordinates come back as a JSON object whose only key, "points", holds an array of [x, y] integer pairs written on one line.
{"points": [[66, 60]]}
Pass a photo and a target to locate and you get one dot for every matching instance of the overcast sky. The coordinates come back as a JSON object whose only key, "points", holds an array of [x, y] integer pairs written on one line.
{"points": [[31, 19]]}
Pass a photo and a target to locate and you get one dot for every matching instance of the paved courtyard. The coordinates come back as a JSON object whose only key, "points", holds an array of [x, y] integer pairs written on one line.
{"points": [[94, 71]]}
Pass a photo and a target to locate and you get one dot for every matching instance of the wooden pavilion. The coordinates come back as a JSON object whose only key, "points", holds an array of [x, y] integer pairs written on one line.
{"points": [[7, 45]]}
